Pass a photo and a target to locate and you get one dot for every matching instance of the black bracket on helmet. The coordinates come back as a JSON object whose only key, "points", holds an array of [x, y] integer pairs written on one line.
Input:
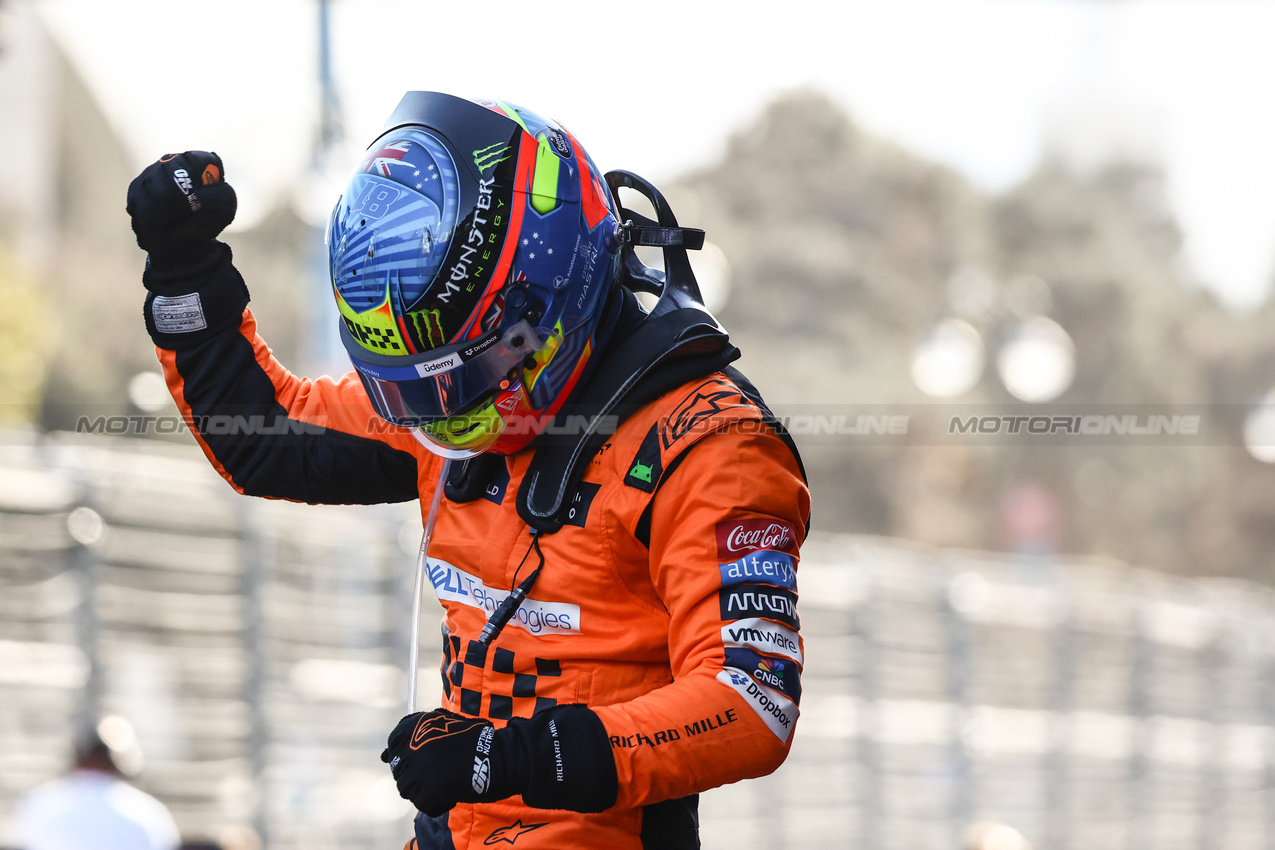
{"points": [[676, 285]]}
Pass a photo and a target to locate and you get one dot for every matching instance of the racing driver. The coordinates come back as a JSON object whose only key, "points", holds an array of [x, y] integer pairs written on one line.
{"points": [[616, 515]]}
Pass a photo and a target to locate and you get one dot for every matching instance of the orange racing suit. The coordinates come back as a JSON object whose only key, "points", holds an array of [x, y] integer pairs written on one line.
{"points": [[667, 601]]}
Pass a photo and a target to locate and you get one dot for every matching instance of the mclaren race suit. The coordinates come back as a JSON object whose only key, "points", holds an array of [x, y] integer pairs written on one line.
{"points": [[667, 600]]}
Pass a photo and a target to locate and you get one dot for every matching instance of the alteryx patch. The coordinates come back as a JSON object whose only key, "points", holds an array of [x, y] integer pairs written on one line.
{"points": [[764, 567]]}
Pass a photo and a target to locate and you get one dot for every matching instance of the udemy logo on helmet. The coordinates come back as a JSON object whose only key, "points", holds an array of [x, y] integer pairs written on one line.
{"points": [[472, 254]]}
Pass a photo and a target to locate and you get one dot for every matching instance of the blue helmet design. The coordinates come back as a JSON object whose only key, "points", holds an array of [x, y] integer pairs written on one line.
{"points": [[472, 255]]}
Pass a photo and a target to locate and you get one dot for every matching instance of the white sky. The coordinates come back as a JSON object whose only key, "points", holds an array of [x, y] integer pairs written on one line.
{"points": [[976, 84]]}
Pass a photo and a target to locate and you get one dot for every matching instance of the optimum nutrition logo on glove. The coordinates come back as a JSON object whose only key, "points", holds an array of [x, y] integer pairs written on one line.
{"points": [[482, 762], [182, 178]]}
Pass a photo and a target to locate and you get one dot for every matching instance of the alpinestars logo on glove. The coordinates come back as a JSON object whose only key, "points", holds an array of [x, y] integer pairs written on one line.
{"points": [[482, 764], [431, 728]]}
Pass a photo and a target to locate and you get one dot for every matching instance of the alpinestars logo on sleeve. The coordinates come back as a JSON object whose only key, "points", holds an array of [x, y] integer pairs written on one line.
{"points": [[708, 399], [510, 834]]}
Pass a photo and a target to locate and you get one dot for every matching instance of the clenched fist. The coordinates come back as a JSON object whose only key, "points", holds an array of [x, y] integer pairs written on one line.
{"points": [[179, 204], [560, 758], [440, 758]]}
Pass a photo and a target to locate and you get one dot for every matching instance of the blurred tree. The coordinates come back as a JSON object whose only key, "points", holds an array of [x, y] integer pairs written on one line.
{"points": [[846, 250], [28, 335], [91, 270]]}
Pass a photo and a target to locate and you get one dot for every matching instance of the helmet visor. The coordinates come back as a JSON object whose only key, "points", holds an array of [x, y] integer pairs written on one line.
{"points": [[464, 436], [417, 389]]}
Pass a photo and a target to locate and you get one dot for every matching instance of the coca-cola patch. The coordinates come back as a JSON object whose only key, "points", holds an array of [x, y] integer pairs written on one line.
{"points": [[737, 537]]}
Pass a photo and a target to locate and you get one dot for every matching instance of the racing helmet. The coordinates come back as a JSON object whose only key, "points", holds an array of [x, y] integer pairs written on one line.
{"points": [[472, 256]]}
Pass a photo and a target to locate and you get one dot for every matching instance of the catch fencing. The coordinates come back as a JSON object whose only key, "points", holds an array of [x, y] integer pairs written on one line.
{"points": [[259, 648]]}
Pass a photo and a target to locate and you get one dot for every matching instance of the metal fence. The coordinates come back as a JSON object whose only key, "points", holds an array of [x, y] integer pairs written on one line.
{"points": [[257, 646], [259, 649], [1084, 704]]}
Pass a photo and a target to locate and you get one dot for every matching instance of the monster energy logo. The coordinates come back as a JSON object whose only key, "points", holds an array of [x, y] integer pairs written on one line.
{"points": [[491, 156], [428, 325]]}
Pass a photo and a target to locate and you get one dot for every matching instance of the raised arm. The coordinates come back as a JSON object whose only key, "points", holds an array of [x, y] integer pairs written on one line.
{"points": [[268, 432]]}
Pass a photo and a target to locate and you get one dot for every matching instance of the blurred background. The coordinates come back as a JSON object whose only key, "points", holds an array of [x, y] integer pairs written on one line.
{"points": [[1004, 266]]}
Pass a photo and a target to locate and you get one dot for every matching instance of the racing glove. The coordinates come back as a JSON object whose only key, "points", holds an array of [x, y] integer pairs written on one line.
{"points": [[178, 206], [558, 759]]}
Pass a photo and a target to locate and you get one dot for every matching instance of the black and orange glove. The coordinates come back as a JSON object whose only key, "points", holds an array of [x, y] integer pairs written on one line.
{"points": [[179, 205], [558, 759]]}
